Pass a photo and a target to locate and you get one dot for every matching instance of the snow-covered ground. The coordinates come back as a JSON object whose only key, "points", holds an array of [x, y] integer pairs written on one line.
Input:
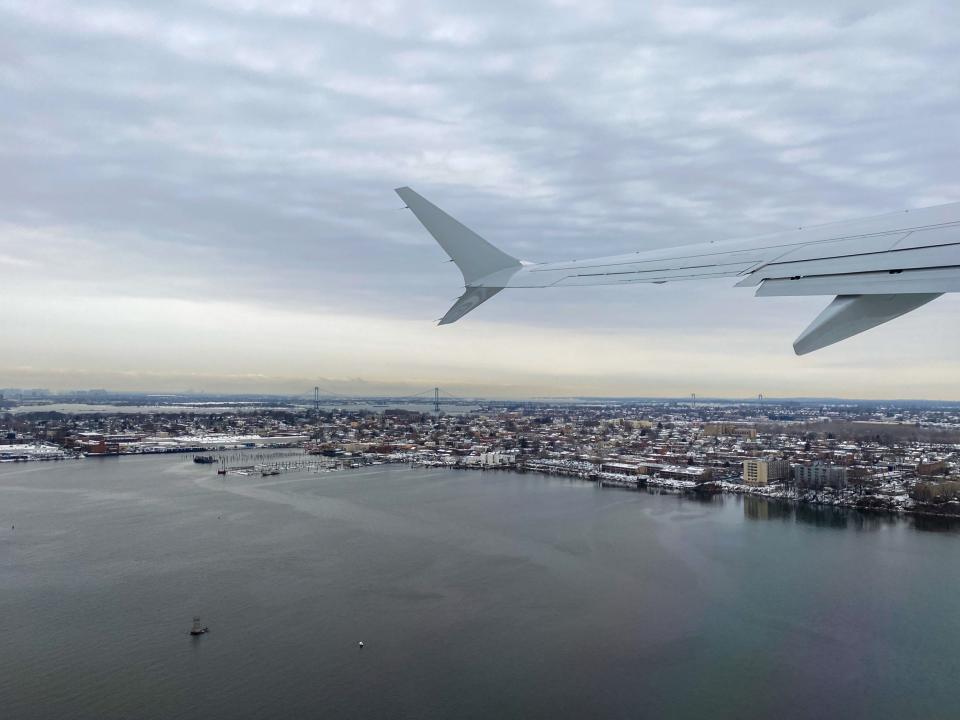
{"points": [[219, 440], [33, 451]]}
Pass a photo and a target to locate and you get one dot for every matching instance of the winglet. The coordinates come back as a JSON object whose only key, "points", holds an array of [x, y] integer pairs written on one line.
{"points": [[467, 302], [475, 257]]}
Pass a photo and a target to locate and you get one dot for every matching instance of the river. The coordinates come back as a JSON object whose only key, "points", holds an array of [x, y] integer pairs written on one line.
{"points": [[476, 594]]}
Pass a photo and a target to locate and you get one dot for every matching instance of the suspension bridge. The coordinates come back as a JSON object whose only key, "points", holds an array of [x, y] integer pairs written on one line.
{"points": [[435, 396]]}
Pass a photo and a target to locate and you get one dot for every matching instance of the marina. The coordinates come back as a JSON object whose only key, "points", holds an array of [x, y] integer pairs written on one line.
{"points": [[267, 466]]}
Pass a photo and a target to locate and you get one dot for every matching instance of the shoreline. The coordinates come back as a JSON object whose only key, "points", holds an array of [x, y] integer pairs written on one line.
{"points": [[896, 505], [874, 503]]}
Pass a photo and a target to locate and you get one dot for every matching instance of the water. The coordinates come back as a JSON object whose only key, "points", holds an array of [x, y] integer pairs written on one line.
{"points": [[477, 595], [109, 409], [448, 407]]}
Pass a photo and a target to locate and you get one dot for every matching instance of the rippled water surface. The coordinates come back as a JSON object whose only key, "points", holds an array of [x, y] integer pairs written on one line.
{"points": [[477, 595]]}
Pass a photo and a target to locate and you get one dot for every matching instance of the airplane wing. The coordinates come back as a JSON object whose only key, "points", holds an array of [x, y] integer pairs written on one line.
{"points": [[878, 268]]}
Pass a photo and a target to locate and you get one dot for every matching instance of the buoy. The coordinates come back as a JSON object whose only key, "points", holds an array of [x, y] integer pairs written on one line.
{"points": [[360, 643]]}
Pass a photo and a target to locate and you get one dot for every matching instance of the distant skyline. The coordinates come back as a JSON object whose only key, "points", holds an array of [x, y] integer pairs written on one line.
{"points": [[331, 399], [199, 194]]}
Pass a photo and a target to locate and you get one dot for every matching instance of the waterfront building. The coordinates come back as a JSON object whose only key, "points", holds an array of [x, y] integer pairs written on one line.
{"points": [[818, 475], [488, 459], [759, 471], [624, 468]]}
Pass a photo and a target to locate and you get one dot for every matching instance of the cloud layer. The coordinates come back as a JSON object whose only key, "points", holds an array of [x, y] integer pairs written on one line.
{"points": [[216, 154]]}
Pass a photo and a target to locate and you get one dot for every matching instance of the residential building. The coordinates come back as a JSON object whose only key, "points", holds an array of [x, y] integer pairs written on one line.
{"points": [[818, 475], [760, 471]]}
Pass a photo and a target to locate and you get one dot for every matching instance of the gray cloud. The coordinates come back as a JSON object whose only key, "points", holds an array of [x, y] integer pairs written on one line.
{"points": [[246, 151]]}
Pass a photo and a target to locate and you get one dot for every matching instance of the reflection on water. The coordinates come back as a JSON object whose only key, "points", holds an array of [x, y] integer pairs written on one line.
{"points": [[759, 508], [931, 523], [706, 498], [822, 516], [827, 516]]}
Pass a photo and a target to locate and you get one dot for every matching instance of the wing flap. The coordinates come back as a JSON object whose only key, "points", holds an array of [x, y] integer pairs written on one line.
{"points": [[935, 280], [891, 260]]}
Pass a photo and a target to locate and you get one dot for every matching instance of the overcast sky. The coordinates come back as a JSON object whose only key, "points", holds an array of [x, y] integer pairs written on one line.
{"points": [[199, 194]]}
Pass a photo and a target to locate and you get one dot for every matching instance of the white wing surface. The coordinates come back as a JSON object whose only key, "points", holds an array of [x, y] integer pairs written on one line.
{"points": [[879, 267]]}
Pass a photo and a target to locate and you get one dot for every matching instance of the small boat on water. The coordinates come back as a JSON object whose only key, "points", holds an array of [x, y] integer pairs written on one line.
{"points": [[204, 459], [222, 471], [269, 472], [197, 628]]}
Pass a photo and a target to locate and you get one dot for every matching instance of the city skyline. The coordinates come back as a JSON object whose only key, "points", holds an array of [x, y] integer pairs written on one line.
{"points": [[200, 196]]}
